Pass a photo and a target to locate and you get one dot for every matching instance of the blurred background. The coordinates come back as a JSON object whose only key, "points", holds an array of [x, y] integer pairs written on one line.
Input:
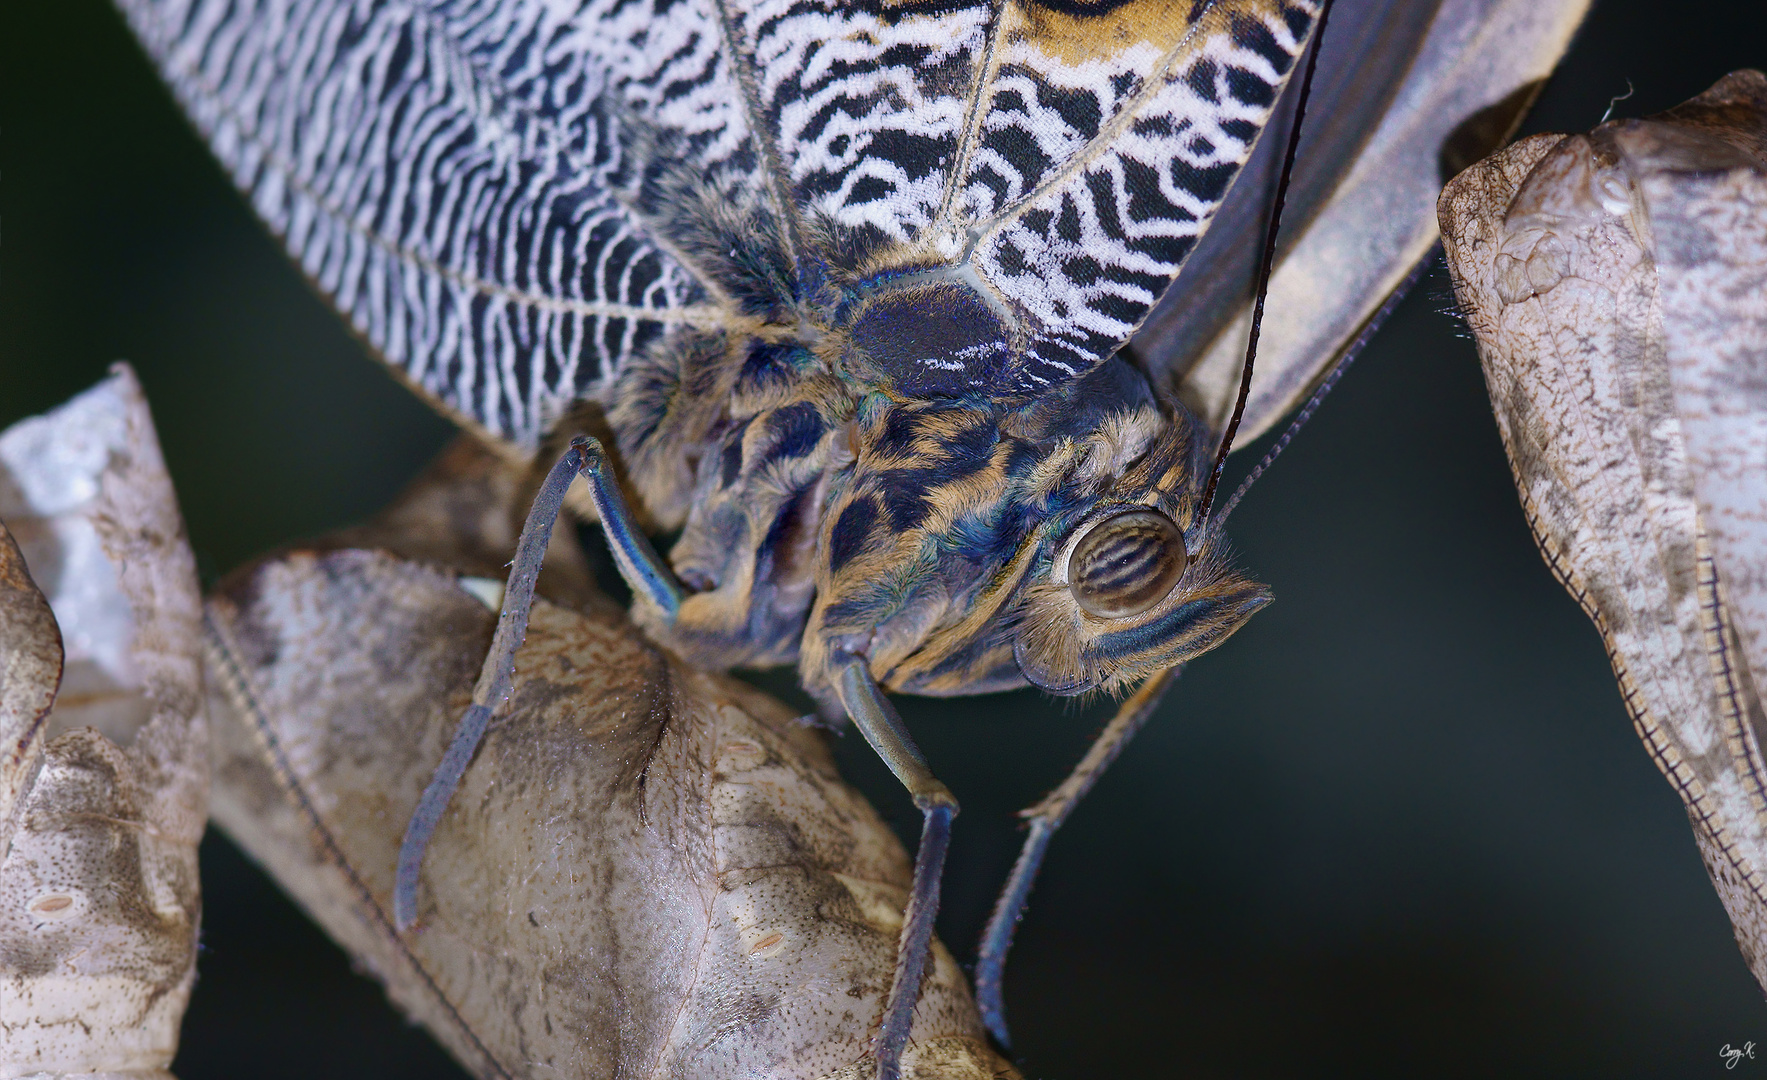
{"points": [[1400, 825]]}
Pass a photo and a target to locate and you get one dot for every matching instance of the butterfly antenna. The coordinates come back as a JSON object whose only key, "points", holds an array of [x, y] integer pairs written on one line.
{"points": [[1266, 265], [1345, 358]]}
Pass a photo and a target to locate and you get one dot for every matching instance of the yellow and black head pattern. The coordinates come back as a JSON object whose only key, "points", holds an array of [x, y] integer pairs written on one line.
{"points": [[970, 549]]}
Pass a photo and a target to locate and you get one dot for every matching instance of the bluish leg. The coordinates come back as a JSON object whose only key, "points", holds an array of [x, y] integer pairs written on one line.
{"points": [[638, 562], [882, 728], [1046, 817], [1002, 925], [649, 577]]}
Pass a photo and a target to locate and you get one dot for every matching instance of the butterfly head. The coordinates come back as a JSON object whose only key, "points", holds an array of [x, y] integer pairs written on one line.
{"points": [[973, 547]]}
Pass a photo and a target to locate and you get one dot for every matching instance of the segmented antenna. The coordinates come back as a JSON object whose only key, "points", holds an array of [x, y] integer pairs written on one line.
{"points": [[1266, 265]]}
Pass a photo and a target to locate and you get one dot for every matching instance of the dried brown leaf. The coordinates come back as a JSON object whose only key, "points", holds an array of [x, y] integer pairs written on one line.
{"points": [[1708, 217], [1614, 282], [99, 897], [646, 872], [30, 672]]}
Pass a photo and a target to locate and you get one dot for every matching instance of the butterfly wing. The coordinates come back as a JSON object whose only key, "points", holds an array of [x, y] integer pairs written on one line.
{"points": [[1061, 157], [457, 177], [1407, 95], [493, 192], [1105, 137]]}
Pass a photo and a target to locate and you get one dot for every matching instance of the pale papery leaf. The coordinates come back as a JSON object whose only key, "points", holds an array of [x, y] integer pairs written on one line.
{"points": [[1710, 227], [647, 871], [1617, 329], [30, 672], [107, 793]]}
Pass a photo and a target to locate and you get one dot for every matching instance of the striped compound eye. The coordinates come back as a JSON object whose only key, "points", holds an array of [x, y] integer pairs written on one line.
{"points": [[1126, 564]]}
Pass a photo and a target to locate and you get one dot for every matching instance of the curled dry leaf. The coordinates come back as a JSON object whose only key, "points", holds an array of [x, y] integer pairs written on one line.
{"points": [[1617, 286], [647, 871], [103, 795]]}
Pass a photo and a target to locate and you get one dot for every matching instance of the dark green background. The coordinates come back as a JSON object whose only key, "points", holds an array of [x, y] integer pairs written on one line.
{"points": [[1400, 825]]}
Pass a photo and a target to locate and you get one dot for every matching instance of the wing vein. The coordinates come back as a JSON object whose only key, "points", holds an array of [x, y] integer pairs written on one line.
{"points": [[1099, 143], [986, 69], [766, 143]]}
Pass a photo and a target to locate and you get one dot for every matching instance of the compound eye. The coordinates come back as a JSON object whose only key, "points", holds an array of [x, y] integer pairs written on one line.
{"points": [[1126, 564]]}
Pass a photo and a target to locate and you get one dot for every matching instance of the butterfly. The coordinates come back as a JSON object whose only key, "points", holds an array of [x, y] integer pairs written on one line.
{"points": [[874, 303]]}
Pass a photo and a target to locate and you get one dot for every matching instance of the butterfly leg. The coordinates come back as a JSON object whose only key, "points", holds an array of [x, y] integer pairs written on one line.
{"points": [[647, 574], [649, 577], [882, 727], [1046, 817]]}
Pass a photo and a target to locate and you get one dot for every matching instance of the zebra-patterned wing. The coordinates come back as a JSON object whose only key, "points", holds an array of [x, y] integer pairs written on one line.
{"points": [[509, 199], [1110, 136], [1009, 186], [865, 104], [458, 177]]}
